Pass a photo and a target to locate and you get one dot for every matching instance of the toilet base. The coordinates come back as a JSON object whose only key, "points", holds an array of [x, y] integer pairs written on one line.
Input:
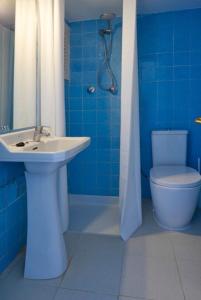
{"points": [[167, 227]]}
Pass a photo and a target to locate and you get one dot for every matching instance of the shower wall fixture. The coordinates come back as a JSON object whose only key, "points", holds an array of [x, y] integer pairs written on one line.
{"points": [[105, 70]]}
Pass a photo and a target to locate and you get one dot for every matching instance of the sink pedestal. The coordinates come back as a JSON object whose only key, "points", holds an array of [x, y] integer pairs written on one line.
{"points": [[45, 254], [63, 197]]}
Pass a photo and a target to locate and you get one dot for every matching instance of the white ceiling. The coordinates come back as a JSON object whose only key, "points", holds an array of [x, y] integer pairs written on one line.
{"points": [[91, 9]]}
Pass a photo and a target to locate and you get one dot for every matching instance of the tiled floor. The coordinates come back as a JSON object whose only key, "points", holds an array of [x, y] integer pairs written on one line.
{"points": [[101, 219], [152, 265]]}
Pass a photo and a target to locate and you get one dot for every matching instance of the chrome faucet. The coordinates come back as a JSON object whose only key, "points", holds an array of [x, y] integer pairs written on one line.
{"points": [[41, 131]]}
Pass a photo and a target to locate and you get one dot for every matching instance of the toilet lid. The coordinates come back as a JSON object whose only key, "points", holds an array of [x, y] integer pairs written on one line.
{"points": [[175, 176]]}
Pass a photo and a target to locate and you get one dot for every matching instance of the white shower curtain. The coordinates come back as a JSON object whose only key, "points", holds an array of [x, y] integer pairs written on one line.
{"points": [[51, 57], [24, 106], [130, 179]]}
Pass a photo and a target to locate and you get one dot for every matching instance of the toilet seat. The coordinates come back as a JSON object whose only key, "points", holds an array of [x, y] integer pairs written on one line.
{"points": [[175, 176]]}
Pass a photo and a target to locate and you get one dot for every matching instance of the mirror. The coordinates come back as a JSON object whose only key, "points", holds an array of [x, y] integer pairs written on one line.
{"points": [[13, 114]]}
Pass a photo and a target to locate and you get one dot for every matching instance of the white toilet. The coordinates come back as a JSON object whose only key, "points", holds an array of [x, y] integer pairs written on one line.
{"points": [[175, 187]]}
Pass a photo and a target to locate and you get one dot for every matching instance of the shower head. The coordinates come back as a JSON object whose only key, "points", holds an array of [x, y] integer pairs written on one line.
{"points": [[107, 16]]}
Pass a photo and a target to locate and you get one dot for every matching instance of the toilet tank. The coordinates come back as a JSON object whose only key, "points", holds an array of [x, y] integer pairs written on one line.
{"points": [[169, 147]]}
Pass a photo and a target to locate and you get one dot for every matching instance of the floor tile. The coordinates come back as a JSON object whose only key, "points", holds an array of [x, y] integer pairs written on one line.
{"points": [[11, 266], [154, 245], [71, 242], [186, 246], [21, 291], [64, 294], [190, 272], [150, 278], [149, 226], [96, 266], [131, 298], [100, 219], [16, 276]]}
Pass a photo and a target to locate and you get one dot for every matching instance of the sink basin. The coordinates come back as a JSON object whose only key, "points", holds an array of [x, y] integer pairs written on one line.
{"points": [[45, 253], [50, 149]]}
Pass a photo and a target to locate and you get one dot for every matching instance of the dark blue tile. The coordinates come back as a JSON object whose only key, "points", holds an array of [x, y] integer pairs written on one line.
{"points": [[75, 91], [89, 65], [76, 52], [103, 116], [89, 52], [76, 116], [76, 65], [75, 104], [195, 57], [76, 40], [89, 77], [164, 73], [195, 72], [89, 103], [76, 27], [89, 39], [89, 26], [89, 130], [89, 116], [181, 58], [181, 72]]}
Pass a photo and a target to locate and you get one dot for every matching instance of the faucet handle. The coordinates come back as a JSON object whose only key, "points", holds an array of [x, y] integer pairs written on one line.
{"points": [[45, 130]]}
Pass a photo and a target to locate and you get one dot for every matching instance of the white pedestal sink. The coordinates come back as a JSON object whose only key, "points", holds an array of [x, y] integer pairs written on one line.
{"points": [[46, 254]]}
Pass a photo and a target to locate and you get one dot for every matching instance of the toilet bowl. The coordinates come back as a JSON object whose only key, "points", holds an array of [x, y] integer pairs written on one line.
{"points": [[175, 188], [175, 192]]}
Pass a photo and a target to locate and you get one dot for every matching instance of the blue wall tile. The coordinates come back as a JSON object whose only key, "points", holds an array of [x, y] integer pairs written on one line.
{"points": [[170, 80], [13, 213], [96, 115]]}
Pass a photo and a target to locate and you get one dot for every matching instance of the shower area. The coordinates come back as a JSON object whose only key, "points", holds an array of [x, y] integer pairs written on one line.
{"points": [[94, 108]]}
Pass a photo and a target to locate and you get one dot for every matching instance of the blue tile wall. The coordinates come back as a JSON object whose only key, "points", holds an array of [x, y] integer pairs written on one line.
{"points": [[12, 211], [169, 46], [96, 170]]}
